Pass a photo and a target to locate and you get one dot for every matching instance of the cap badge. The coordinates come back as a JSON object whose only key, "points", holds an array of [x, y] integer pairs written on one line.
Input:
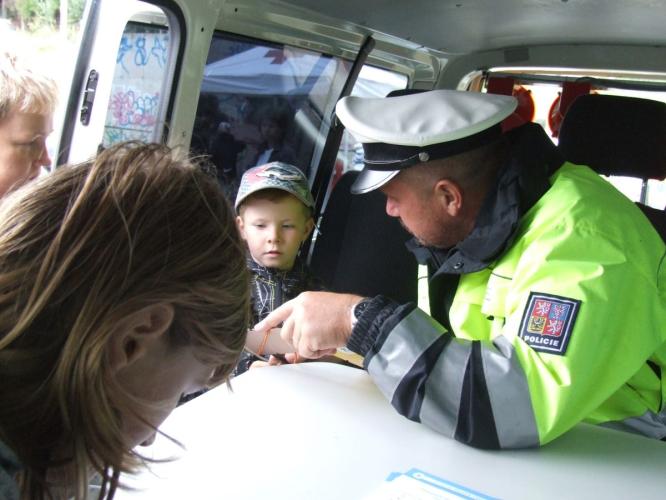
{"points": [[278, 173]]}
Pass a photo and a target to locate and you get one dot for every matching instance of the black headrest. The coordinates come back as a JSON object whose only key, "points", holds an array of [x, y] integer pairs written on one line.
{"points": [[616, 135]]}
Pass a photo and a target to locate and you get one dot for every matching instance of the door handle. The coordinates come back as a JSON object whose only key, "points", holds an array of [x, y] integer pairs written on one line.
{"points": [[89, 97]]}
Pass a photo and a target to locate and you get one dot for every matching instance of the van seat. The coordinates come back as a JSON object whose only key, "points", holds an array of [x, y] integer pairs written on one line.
{"points": [[618, 135], [360, 249]]}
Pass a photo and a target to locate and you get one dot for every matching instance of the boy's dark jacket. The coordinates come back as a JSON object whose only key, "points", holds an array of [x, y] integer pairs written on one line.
{"points": [[270, 289]]}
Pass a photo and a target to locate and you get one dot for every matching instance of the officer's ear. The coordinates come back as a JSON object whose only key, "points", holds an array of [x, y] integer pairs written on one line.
{"points": [[449, 196]]}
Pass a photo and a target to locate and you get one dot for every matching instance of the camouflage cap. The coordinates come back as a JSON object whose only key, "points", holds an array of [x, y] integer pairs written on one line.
{"points": [[275, 175]]}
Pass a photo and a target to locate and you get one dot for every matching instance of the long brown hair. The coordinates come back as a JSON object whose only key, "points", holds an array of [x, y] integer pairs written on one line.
{"points": [[80, 250]]}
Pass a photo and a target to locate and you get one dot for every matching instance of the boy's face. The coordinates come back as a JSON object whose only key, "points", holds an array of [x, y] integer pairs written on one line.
{"points": [[274, 230]]}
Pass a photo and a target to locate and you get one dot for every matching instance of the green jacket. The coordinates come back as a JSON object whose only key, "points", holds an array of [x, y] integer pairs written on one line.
{"points": [[558, 317]]}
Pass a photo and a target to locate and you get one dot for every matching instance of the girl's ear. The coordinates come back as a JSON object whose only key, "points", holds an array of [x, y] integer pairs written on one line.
{"points": [[134, 336]]}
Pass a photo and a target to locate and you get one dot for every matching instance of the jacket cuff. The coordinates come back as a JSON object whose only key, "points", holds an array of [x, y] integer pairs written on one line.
{"points": [[366, 331]]}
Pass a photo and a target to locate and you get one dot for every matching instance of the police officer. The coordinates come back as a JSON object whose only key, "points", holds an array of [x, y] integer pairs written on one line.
{"points": [[548, 286]]}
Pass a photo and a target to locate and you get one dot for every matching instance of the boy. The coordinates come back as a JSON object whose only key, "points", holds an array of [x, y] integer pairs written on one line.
{"points": [[274, 207]]}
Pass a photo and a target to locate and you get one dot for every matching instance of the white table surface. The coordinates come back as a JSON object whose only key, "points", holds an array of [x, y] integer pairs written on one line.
{"points": [[320, 431]]}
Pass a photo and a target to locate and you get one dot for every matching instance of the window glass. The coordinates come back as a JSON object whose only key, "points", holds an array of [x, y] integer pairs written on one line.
{"points": [[136, 102], [263, 102]]}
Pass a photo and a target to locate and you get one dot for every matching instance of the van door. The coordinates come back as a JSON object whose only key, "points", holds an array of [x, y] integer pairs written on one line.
{"points": [[123, 80]]}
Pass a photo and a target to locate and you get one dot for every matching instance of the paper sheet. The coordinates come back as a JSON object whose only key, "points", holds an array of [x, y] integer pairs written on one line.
{"points": [[416, 484]]}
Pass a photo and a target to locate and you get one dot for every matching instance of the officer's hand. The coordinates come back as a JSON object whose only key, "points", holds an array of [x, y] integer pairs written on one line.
{"points": [[315, 323]]}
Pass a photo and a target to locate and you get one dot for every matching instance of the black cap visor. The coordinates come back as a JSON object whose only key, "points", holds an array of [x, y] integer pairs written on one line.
{"points": [[369, 180]]}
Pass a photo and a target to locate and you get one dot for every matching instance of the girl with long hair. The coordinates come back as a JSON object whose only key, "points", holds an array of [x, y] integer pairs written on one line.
{"points": [[123, 286]]}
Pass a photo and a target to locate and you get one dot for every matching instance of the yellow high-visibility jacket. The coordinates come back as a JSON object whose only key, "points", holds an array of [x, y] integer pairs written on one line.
{"points": [[567, 324]]}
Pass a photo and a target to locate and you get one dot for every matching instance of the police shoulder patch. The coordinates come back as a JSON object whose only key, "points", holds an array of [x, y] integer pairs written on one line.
{"points": [[548, 321]]}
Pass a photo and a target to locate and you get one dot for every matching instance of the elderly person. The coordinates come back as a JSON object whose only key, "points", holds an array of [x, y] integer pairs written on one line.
{"points": [[27, 103]]}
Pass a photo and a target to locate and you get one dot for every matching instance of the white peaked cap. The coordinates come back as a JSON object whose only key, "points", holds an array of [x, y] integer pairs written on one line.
{"points": [[402, 131]]}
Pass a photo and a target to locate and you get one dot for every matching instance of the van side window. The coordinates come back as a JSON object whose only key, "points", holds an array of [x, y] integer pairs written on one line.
{"points": [[137, 99], [263, 102]]}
